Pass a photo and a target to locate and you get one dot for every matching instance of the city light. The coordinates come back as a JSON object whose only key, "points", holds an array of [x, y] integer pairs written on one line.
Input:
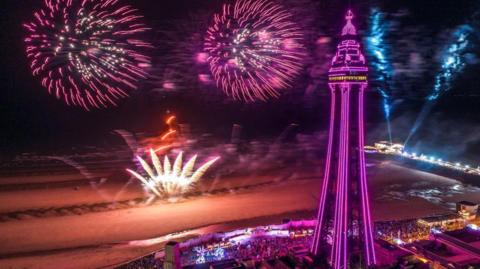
{"points": [[138, 182], [347, 81], [399, 150], [473, 227]]}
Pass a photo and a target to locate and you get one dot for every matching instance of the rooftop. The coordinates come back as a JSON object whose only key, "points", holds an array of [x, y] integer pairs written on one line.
{"points": [[467, 203]]}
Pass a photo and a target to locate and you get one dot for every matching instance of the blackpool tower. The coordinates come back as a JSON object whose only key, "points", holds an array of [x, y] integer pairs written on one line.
{"points": [[344, 231]]}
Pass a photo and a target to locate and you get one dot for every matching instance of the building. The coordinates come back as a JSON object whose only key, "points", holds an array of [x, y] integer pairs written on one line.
{"points": [[442, 221], [344, 201], [467, 210], [389, 255], [387, 147], [459, 249]]}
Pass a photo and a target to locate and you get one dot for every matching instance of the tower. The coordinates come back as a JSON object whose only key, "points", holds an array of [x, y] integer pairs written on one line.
{"points": [[344, 231]]}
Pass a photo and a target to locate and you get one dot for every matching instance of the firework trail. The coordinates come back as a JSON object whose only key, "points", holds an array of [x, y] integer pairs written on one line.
{"points": [[88, 52], [130, 140], [378, 49], [90, 177], [453, 63], [82, 169], [254, 49]]}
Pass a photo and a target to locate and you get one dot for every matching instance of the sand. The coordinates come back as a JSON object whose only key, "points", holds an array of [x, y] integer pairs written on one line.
{"points": [[96, 238]]}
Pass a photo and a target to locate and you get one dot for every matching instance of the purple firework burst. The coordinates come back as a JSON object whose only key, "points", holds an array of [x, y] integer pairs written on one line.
{"points": [[254, 49], [87, 52]]}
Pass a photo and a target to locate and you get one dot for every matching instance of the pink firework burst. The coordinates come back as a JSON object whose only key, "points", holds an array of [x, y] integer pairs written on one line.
{"points": [[87, 52], [254, 49]]}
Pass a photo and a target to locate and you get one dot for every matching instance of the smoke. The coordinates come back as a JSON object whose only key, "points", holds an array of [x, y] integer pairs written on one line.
{"points": [[452, 138], [453, 63]]}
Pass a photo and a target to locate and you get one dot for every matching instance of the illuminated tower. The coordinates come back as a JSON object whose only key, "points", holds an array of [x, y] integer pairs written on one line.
{"points": [[344, 230]]}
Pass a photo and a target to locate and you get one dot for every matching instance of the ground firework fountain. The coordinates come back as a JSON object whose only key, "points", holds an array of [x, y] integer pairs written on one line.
{"points": [[170, 181], [344, 202]]}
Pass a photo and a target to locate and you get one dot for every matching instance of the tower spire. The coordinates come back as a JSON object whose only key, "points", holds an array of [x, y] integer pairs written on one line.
{"points": [[349, 28]]}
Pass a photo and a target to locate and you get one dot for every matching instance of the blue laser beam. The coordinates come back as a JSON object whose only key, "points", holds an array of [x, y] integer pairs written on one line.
{"points": [[454, 61]]}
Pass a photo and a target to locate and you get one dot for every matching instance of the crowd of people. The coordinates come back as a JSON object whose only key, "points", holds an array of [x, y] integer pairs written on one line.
{"points": [[264, 246], [407, 231], [255, 248]]}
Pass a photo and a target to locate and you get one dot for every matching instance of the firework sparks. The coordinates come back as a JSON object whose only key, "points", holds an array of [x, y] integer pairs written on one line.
{"points": [[87, 52], [254, 49], [167, 138], [379, 50], [170, 181], [453, 61]]}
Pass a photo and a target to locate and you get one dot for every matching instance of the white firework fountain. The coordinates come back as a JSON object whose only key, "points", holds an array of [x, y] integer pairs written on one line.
{"points": [[167, 181]]}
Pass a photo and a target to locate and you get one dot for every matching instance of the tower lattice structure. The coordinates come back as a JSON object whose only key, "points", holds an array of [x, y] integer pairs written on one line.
{"points": [[344, 231]]}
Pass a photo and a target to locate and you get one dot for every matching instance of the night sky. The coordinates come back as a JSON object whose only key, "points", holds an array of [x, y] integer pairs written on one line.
{"points": [[32, 120]]}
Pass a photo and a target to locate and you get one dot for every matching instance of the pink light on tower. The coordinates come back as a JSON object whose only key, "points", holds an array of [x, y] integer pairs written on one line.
{"points": [[344, 209]]}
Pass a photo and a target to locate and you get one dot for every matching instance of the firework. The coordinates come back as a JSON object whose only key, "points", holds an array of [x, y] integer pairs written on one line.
{"points": [[453, 61], [88, 52], [170, 181], [254, 49], [379, 51], [166, 140]]}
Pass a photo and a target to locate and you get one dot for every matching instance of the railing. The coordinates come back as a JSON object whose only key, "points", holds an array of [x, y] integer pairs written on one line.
{"points": [[456, 243]]}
